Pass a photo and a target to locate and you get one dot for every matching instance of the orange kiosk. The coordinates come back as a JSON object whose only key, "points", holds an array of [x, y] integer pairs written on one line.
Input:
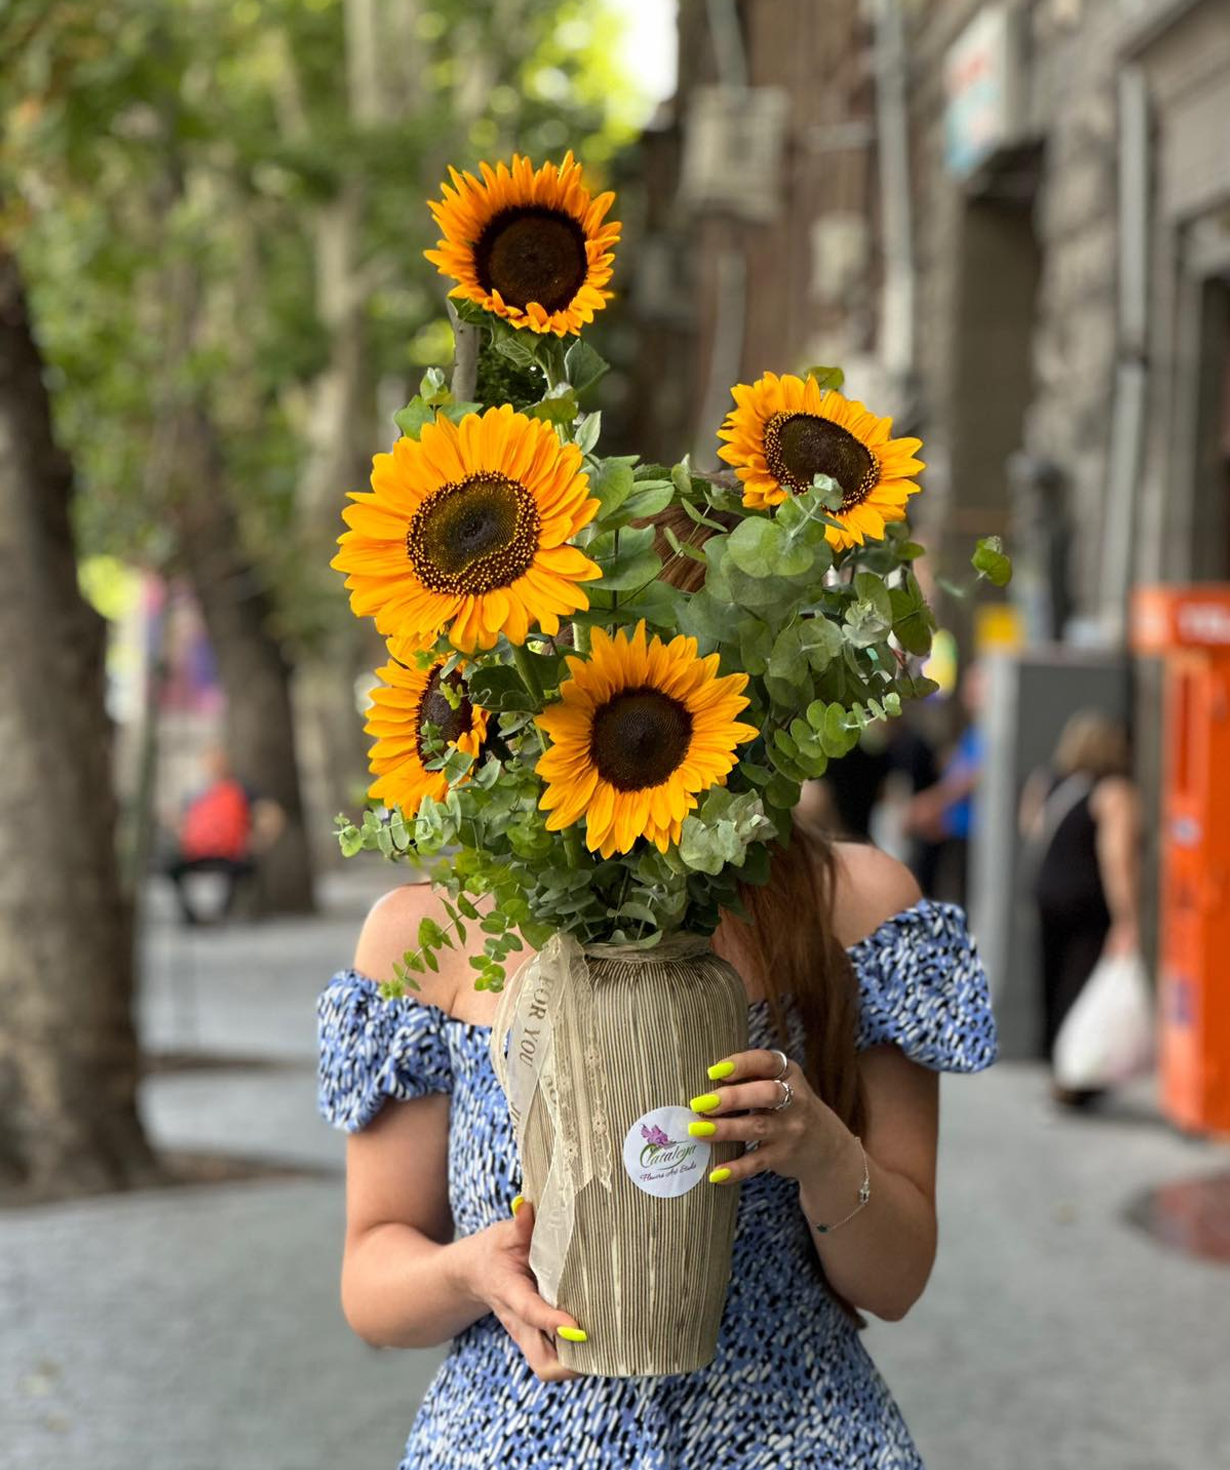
{"points": [[1189, 627]]}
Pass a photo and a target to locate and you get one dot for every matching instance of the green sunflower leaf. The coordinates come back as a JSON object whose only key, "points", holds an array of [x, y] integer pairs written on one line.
{"points": [[458, 411], [826, 377], [755, 645], [410, 420], [557, 406], [703, 616], [657, 602], [912, 618], [434, 389], [611, 483], [990, 562], [627, 565], [587, 435], [499, 687], [513, 344], [583, 366], [647, 501]]}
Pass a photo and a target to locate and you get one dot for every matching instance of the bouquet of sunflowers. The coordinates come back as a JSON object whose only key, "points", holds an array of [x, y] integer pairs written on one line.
{"points": [[606, 684], [607, 680]]}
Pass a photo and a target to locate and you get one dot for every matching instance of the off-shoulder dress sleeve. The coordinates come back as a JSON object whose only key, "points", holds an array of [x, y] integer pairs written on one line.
{"points": [[923, 988], [373, 1049]]}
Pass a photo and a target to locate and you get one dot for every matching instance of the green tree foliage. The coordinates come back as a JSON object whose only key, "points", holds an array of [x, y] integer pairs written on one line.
{"points": [[202, 191]]}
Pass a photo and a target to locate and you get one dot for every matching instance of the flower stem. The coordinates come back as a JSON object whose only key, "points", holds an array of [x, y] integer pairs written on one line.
{"points": [[572, 846]]}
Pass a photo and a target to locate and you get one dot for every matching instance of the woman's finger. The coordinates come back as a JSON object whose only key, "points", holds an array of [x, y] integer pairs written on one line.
{"points": [[740, 1066], [544, 1363], [765, 1093], [523, 1300], [746, 1166], [538, 1352], [750, 1128]]}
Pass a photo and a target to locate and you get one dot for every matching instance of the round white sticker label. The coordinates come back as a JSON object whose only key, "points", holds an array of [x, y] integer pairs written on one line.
{"points": [[660, 1157]]}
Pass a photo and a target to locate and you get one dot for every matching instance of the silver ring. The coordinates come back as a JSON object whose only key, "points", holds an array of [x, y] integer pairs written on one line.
{"points": [[785, 1064], [787, 1096]]}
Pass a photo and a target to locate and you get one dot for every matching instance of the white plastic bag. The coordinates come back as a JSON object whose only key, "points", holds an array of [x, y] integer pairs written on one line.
{"points": [[1107, 1036]]}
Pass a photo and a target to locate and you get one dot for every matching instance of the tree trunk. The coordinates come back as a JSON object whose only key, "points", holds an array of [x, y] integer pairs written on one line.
{"points": [[253, 668], [68, 1049]]}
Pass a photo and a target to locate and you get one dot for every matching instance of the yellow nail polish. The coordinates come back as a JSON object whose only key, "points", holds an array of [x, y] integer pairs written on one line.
{"points": [[720, 1070], [719, 1176], [572, 1334], [705, 1103], [518, 1201], [702, 1129]]}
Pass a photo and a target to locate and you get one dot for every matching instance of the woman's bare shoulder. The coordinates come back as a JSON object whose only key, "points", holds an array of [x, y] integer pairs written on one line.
{"points": [[391, 928], [869, 887]]}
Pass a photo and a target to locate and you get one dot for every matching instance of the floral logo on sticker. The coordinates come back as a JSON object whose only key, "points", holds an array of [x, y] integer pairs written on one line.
{"points": [[659, 1156]]}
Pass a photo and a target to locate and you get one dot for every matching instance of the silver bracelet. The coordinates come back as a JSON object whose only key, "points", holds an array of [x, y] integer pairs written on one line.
{"points": [[864, 1193]]}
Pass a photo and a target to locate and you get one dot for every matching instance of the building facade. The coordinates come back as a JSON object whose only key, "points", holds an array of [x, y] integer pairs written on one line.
{"points": [[1010, 224]]}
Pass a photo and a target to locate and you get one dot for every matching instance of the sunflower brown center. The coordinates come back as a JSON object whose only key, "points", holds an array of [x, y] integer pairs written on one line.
{"points": [[639, 737], [532, 254], [799, 446], [475, 534], [435, 709]]}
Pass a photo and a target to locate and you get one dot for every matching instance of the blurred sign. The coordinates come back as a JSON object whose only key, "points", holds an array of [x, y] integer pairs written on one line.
{"points": [[984, 83], [1165, 618], [733, 147], [998, 626]]}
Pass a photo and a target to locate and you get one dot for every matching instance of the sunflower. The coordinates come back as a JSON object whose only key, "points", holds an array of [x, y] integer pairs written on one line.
{"points": [[785, 431], [530, 246], [467, 528], [409, 699], [639, 730]]}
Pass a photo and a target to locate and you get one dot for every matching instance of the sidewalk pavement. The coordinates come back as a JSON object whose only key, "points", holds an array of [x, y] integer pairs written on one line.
{"points": [[198, 1328]]}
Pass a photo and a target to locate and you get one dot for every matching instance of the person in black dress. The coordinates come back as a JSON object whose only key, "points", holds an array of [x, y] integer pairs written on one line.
{"points": [[1081, 820]]}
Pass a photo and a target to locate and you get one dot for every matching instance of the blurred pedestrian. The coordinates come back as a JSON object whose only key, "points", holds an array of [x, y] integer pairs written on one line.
{"points": [[1081, 819], [224, 828]]}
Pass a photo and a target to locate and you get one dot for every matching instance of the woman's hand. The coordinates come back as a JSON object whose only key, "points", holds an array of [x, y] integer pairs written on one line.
{"points": [[498, 1274], [798, 1141]]}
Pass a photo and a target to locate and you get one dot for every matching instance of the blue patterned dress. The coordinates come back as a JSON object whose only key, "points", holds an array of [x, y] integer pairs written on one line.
{"points": [[792, 1384]]}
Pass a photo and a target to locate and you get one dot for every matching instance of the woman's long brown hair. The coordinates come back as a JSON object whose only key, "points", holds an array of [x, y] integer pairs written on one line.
{"points": [[789, 938]]}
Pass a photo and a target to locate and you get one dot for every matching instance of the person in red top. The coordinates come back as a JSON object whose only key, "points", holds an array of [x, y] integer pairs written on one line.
{"points": [[215, 835]]}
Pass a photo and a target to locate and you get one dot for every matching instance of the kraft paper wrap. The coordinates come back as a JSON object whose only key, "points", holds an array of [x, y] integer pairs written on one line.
{"points": [[585, 1042]]}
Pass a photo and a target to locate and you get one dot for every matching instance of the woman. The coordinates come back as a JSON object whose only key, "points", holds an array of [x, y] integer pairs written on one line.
{"points": [[867, 989], [1082, 819]]}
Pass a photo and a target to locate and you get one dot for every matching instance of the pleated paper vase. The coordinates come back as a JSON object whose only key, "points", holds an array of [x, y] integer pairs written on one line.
{"points": [[630, 1237]]}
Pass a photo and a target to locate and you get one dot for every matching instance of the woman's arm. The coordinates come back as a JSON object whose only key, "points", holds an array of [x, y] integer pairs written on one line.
{"points": [[405, 1281], [881, 1260], [1116, 810]]}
